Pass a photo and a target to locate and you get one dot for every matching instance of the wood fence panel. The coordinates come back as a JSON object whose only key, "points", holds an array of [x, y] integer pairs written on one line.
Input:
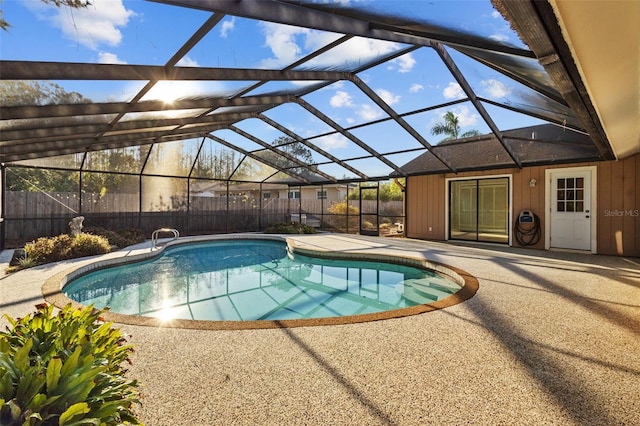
{"points": [[30, 215]]}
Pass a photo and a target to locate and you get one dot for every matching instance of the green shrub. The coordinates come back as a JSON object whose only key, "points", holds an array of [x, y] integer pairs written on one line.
{"points": [[290, 228], [62, 247], [65, 369], [88, 245], [119, 238], [341, 212], [41, 249]]}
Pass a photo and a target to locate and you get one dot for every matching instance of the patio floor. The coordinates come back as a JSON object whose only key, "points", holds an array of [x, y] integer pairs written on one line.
{"points": [[549, 338]]}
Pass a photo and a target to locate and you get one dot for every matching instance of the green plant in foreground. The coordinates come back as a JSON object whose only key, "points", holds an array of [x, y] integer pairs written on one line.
{"points": [[65, 369]]}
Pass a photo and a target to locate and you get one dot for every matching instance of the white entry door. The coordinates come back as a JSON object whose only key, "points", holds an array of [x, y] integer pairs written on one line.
{"points": [[571, 210]]}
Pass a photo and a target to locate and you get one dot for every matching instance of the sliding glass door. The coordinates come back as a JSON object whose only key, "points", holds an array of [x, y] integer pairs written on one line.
{"points": [[479, 210]]}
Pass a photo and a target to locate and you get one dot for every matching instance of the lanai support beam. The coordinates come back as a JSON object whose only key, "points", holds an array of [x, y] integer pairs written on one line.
{"points": [[453, 68], [275, 149], [314, 147], [35, 70], [401, 121], [255, 157], [313, 110], [291, 13]]}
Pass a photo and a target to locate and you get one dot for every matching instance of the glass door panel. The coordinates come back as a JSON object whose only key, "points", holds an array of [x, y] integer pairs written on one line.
{"points": [[493, 208], [479, 210], [463, 210]]}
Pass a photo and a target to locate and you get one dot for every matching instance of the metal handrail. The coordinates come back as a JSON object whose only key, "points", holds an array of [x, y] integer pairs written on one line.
{"points": [[154, 235]]}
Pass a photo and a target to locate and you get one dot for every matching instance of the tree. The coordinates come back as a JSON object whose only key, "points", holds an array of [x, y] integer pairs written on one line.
{"points": [[388, 191], [115, 160], [76, 4], [22, 92], [451, 128], [294, 149], [41, 180]]}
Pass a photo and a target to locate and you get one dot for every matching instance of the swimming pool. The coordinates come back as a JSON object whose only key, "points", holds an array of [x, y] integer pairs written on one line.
{"points": [[256, 280]]}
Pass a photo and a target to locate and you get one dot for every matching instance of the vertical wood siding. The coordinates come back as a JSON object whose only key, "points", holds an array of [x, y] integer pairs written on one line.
{"points": [[619, 207], [617, 203]]}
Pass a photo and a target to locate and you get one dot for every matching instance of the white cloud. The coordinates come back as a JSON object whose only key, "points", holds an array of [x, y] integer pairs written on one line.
{"points": [[495, 88], [109, 58], [499, 37], [405, 62], [331, 142], [360, 48], [314, 40], [281, 39], [453, 91], [93, 26], [289, 43], [415, 88], [368, 113], [352, 53], [496, 15], [187, 62], [465, 116], [388, 97], [227, 25], [341, 99]]}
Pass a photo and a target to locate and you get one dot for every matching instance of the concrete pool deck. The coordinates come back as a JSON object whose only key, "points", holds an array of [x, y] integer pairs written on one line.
{"points": [[549, 338]]}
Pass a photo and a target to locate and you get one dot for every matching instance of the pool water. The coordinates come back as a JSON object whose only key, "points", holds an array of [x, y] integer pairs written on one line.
{"points": [[248, 280]]}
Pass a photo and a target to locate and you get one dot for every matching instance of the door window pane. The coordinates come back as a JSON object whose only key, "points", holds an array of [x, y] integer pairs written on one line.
{"points": [[570, 195]]}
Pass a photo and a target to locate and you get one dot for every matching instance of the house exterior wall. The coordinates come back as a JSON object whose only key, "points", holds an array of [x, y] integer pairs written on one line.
{"points": [[617, 203], [310, 193]]}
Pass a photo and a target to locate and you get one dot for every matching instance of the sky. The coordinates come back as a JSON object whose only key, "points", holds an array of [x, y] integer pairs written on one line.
{"points": [[142, 32]]}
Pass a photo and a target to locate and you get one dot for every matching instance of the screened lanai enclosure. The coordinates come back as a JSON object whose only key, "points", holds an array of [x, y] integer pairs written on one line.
{"points": [[223, 116]]}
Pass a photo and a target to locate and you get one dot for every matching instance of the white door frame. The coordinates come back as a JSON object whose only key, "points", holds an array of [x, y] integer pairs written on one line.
{"points": [[548, 175]]}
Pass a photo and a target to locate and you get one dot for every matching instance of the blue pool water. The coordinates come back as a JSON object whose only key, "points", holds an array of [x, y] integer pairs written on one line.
{"points": [[250, 280]]}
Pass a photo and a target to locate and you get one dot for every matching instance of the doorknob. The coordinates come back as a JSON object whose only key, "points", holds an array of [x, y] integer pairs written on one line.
{"points": [[586, 211]]}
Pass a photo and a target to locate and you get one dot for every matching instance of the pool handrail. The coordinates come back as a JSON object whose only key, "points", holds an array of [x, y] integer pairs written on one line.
{"points": [[154, 235]]}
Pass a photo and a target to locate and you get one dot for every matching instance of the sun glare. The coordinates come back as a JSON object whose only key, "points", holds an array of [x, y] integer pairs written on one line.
{"points": [[170, 91]]}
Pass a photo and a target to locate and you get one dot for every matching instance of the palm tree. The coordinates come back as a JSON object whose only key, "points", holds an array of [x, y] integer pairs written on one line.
{"points": [[451, 128]]}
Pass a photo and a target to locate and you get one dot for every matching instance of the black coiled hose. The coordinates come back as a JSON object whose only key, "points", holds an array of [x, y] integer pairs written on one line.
{"points": [[528, 234]]}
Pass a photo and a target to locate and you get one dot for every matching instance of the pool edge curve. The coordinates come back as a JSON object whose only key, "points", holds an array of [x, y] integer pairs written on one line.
{"points": [[52, 287]]}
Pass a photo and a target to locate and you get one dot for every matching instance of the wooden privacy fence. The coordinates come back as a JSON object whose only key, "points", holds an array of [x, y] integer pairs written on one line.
{"points": [[29, 215]]}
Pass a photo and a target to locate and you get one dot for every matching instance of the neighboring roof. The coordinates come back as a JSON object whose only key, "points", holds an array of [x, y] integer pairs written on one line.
{"points": [[242, 120]]}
